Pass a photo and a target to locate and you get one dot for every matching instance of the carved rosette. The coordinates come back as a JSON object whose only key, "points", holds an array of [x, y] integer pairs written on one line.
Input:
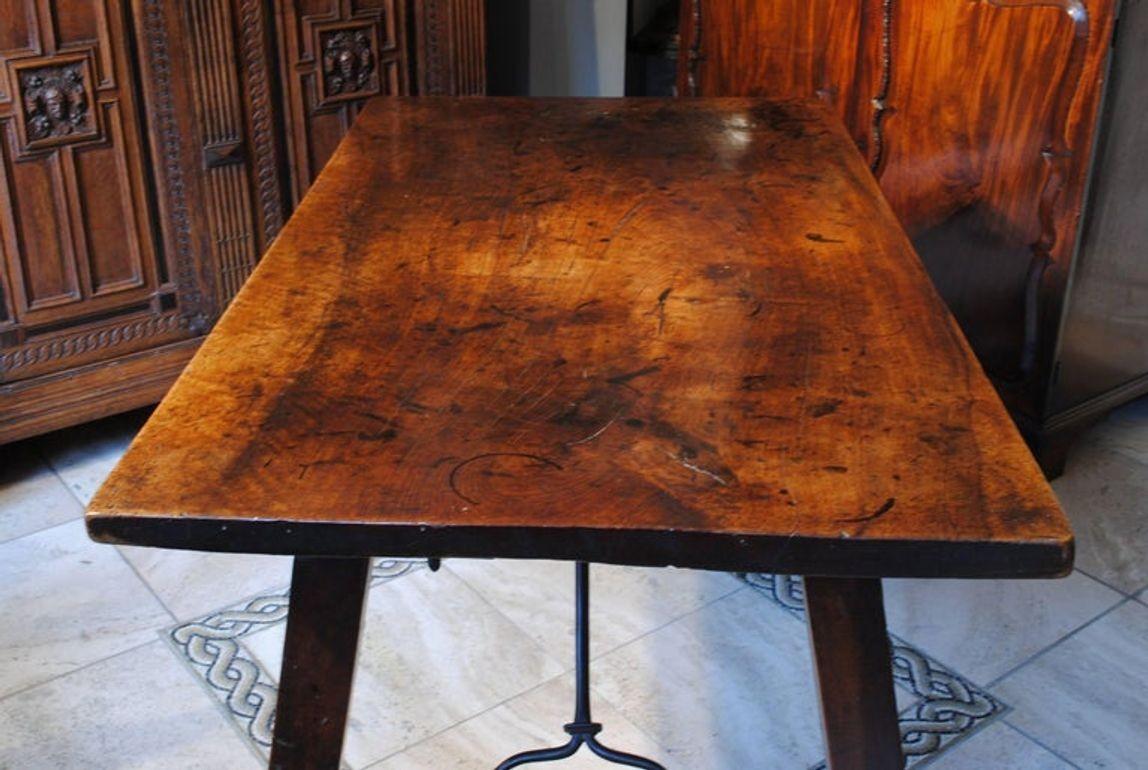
{"points": [[349, 62], [56, 102]]}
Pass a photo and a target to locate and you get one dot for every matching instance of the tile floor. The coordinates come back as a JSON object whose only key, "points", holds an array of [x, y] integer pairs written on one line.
{"points": [[134, 658]]}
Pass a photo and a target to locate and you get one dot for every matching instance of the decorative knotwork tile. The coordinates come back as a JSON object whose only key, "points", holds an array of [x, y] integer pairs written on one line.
{"points": [[949, 707], [213, 648]]}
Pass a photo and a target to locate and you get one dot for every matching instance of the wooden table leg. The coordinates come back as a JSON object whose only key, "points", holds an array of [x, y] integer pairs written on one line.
{"points": [[854, 673], [318, 662]]}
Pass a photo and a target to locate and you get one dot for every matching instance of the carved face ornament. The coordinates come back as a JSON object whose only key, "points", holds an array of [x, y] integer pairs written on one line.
{"points": [[55, 103], [348, 62]]}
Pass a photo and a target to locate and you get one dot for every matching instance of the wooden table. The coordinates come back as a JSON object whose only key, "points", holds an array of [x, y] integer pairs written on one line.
{"points": [[639, 332]]}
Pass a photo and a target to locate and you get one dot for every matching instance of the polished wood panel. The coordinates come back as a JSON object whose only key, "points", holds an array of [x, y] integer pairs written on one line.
{"points": [[654, 332], [318, 662], [1104, 347], [977, 117], [854, 674]]}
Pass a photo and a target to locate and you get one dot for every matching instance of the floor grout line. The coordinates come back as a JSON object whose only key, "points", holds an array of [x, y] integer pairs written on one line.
{"points": [[1042, 744], [470, 718], [146, 584], [1049, 647], [1105, 583], [57, 677], [498, 611], [567, 669], [41, 530]]}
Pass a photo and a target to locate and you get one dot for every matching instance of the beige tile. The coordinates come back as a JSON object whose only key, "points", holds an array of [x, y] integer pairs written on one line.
{"points": [[984, 628], [1124, 430], [998, 746], [530, 721], [726, 688], [1086, 699], [192, 583], [67, 602], [140, 710], [32, 497], [1106, 496], [626, 602], [433, 654], [86, 454]]}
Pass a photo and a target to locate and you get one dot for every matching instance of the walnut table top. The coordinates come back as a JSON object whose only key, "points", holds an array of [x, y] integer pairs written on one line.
{"points": [[645, 332]]}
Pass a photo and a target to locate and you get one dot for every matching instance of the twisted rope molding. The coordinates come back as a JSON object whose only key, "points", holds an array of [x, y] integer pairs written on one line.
{"points": [[88, 341], [251, 24]]}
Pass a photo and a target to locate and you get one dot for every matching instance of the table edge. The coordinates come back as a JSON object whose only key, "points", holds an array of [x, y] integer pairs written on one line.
{"points": [[797, 555]]}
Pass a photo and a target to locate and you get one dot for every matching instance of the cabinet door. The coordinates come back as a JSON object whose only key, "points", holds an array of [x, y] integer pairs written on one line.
{"points": [[206, 78], [976, 116], [83, 278], [334, 54]]}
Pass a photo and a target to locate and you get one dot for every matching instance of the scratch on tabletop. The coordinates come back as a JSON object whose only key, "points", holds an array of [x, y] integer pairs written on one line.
{"points": [[685, 463], [885, 508], [595, 434], [452, 480]]}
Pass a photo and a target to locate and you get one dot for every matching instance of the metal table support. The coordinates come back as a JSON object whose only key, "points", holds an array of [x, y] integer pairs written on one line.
{"points": [[583, 730]]}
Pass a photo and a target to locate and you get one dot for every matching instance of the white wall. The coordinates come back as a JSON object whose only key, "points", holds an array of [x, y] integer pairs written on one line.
{"points": [[578, 47]]}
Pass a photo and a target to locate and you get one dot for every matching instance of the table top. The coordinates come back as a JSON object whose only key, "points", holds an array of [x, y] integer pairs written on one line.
{"points": [[635, 331]]}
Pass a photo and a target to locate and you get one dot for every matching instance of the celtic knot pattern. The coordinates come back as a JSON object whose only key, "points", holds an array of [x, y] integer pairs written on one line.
{"points": [[212, 645], [949, 706], [787, 591]]}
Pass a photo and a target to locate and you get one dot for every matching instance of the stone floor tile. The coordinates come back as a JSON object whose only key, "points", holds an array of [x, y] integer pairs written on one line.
{"points": [[530, 721], [192, 583], [1125, 430], [1105, 494], [728, 687], [67, 602], [32, 496], [625, 602], [1086, 699], [135, 711], [999, 746], [85, 455], [433, 653], [984, 628]]}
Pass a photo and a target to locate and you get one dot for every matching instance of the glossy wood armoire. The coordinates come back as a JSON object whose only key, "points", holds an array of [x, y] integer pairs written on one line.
{"points": [[149, 152], [1009, 138]]}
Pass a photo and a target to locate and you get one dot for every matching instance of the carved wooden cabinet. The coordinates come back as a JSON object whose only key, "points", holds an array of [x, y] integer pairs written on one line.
{"points": [[149, 152], [979, 118]]}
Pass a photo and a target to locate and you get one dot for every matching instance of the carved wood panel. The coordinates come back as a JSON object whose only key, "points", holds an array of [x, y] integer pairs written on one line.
{"points": [[976, 115], [82, 276], [333, 55], [450, 40]]}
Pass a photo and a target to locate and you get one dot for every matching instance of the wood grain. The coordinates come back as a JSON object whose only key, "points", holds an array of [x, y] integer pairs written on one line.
{"points": [[327, 597], [641, 331], [979, 119], [854, 673]]}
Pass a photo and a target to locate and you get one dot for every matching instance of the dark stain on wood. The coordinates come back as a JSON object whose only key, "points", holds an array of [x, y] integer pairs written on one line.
{"points": [[508, 380]]}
